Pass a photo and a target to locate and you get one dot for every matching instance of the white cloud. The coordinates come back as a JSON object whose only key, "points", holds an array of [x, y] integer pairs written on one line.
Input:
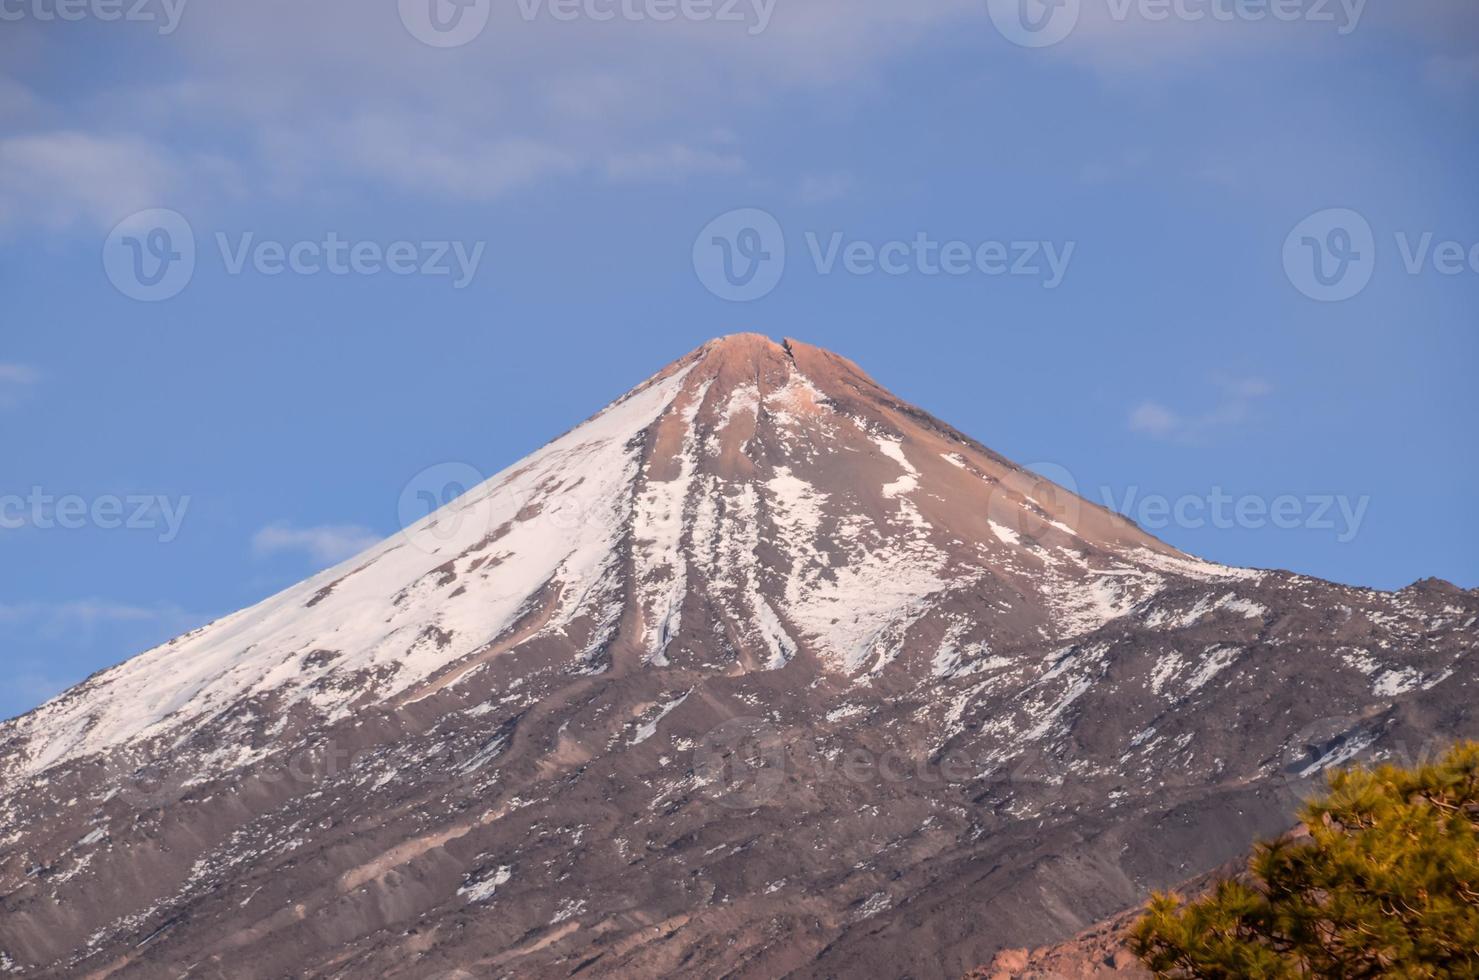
{"points": [[1239, 396], [1246, 388], [529, 101], [327, 545], [526, 101], [87, 611], [75, 624], [71, 619], [1154, 419], [1115, 166], [426, 158], [16, 101], [1130, 38], [825, 188], [671, 162], [28, 689], [17, 374], [61, 178], [15, 380]]}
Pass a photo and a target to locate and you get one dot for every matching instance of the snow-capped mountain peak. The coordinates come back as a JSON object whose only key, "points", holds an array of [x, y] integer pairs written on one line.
{"points": [[759, 671], [774, 486]]}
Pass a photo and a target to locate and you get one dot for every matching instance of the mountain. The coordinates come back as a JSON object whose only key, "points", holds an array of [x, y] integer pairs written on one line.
{"points": [[1096, 954], [1100, 951], [759, 672]]}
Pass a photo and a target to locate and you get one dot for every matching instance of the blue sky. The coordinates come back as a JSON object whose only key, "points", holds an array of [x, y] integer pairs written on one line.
{"points": [[260, 427]]}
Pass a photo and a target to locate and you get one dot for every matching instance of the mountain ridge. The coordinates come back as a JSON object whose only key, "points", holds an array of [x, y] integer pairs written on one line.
{"points": [[760, 670]]}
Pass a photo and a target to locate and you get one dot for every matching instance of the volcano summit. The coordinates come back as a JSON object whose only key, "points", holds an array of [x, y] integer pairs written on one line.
{"points": [[759, 672]]}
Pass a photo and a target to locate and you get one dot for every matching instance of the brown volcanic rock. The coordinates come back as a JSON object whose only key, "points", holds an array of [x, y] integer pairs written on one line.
{"points": [[1100, 951], [1093, 954], [760, 672]]}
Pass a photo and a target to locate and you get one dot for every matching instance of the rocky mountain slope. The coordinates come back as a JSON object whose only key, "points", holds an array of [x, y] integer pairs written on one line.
{"points": [[1101, 951], [759, 672], [1096, 954]]}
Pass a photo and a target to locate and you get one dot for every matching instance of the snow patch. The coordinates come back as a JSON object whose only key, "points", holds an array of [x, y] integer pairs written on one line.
{"points": [[1005, 534], [1340, 754], [261, 649], [1392, 683], [1214, 661], [481, 889], [649, 729]]}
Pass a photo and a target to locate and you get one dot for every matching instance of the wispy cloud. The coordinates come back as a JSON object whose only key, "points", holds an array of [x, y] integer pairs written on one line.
{"points": [[671, 162], [29, 688], [16, 101], [82, 610], [17, 374], [825, 188], [1153, 418], [89, 179], [69, 618], [429, 157], [527, 101], [1114, 167], [66, 628], [1236, 406], [15, 381], [327, 544]]}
